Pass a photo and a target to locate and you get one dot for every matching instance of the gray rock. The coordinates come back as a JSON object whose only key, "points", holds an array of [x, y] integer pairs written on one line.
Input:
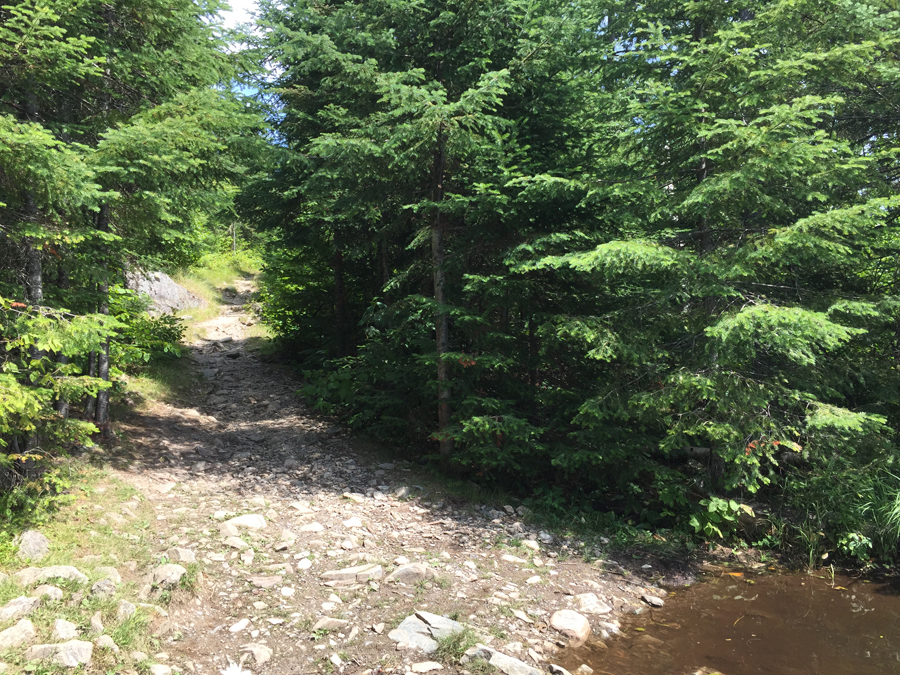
{"points": [[70, 654], [402, 493], [103, 589], [571, 624], [411, 573], [584, 669], [106, 642], [167, 575], [165, 295], [126, 610], [440, 627], [110, 573], [137, 656], [64, 630], [352, 575], [589, 603], [160, 669], [181, 555], [97, 623], [19, 607], [652, 600], [34, 575], [261, 653], [49, 592], [17, 635], [32, 545], [502, 662], [413, 633]]}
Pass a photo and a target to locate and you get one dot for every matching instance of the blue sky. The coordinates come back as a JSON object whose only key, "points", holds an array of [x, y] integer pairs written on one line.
{"points": [[240, 12]]}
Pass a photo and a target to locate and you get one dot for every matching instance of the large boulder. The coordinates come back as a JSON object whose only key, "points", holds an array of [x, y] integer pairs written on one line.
{"points": [[571, 624], [33, 575], [165, 295]]}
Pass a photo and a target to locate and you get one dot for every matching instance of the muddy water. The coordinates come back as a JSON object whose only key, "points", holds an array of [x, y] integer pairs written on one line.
{"points": [[750, 624]]}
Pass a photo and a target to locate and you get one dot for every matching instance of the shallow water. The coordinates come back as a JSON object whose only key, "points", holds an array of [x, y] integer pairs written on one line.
{"points": [[775, 624]]}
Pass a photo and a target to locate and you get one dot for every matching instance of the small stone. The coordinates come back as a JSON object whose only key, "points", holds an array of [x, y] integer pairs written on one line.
{"points": [[160, 669], [411, 573], [426, 667], [352, 522], [513, 559], [17, 635], [103, 589], [312, 527], [583, 669], [378, 628], [69, 654], [18, 608], [533, 580], [138, 656], [287, 591], [531, 544], [64, 630], [96, 623], [304, 564], [106, 642], [351, 575], [126, 610], [522, 616], [181, 555], [652, 600], [261, 653], [239, 626], [571, 624], [32, 546], [167, 575], [236, 542], [336, 660], [402, 493], [327, 623], [250, 521], [48, 592]]}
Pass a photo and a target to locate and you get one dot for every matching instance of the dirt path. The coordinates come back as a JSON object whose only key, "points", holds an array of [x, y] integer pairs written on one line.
{"points": [[319, 502]]}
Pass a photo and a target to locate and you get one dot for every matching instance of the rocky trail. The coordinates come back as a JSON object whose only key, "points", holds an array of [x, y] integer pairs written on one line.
{"points": [[303, 553]]}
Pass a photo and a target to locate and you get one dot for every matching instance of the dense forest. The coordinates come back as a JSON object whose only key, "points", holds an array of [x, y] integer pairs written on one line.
{"points": [[636, 263]]}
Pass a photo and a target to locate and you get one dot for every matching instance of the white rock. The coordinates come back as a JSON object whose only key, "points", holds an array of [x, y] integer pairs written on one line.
{"points": [[181, 555], [312, 527], [589, 603], [411, 573], [167, 575], [70, 654], [106, 642], [250, 521], [571, 624], [19, 607], [236, 542], [352, 522], [239, 626], [64, 630], [426, 667], [17, 635], [304, 564], [652, 600], [160, 669], [261, 653], [126, 610]]}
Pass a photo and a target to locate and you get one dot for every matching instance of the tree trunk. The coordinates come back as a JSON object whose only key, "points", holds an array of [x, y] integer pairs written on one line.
{"points": [[102, 413], [442, 319], [62, 282], [340, 304]]}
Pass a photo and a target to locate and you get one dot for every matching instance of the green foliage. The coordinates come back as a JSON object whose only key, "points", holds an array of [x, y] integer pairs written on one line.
{"points": [[662, 236]]}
